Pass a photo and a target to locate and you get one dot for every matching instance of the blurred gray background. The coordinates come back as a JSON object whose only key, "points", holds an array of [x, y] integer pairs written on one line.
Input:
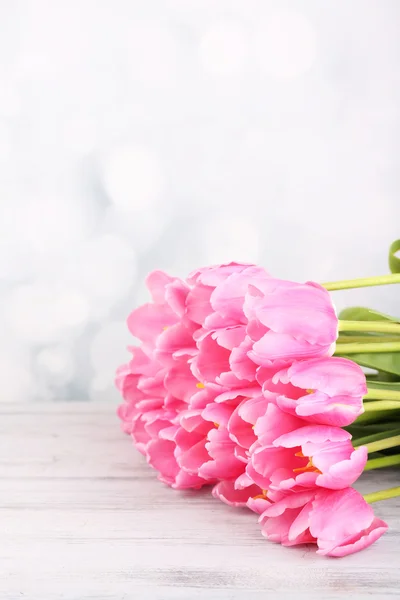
{"points": [[170, 134]]}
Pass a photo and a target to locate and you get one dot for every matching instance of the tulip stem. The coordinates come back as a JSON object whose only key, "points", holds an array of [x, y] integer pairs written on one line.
{"points": [[377, 339], [382, 495], [348, 284], [373, 437], [370, 326], [389, 442], [376, 394], [382, 461], [380, 405], [368, 347]]}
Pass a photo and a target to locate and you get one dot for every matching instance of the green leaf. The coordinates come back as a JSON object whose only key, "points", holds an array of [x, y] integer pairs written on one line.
{"points": [[373, 384], [387, 361], [359, 313], [374, 437], [380, 416], [361, 429], [394, 261]]}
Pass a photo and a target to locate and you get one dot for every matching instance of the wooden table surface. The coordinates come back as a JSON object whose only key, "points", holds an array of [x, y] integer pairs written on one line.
{"points": [[82, 516]]}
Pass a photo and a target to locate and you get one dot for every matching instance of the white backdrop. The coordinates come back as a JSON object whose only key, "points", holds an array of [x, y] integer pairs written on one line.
{"points": [[174, 133]]}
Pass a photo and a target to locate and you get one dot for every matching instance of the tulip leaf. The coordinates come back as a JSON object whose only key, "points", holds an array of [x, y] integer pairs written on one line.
{"points": [[389, 362], [374, 437], [380, 416], [359, 430], [359, 313], [394, 261], [373, 384]]}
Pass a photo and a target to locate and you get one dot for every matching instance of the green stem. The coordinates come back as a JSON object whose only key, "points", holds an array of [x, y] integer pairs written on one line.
{"points": [[373, 437], [382, 495], [375, 394], [369, 326], [377, 411], [382, 461], [390, 442], [368, 347], [347, 284], [377, 339]]}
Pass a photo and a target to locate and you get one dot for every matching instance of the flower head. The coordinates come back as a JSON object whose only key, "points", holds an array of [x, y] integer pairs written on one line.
{"points": [[313, 455], [326, 390], [339, 522]]}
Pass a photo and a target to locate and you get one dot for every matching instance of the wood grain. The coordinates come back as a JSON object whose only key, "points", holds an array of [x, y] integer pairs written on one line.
{"points": [[83, 517]]}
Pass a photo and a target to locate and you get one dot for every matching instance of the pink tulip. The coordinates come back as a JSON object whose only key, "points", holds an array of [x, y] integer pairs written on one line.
{"points": [[161, 456], [314, 455], [243, 420], [209, 283], [326, 390], [289, 321], [216, 303], [279, 519], [344, 523], [169, 297], [339, 522]]}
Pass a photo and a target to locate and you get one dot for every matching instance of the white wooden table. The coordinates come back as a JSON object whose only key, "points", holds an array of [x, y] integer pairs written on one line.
{"points": [[82, 516]]}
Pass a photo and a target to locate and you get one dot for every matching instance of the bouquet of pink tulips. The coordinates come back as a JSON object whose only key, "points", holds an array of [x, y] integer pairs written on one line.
{"points": [[253, 385]]}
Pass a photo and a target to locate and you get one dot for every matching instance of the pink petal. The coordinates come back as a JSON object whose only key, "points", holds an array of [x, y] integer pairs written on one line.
{"points": [[216, 274], [283, 347], [211, 360], [253, 408], [345, 472], [153, 385], [290, 501], [184, 481], [160, 456], [274, 425], [332, 375], [174, 339], [156, 282], [355, 543], [228, 297], [217, 321], [230, 337], [273, 465], [304, 311], [192, 459], [241, 365], [243, 481], [175, 296], [139, 435], [228, 468], [343, 522], [192, 420], [218, 413], [225, 491], [239, 391], [149, 320], [339, 411], [286, 521], [224, 464], [312, 433], [240, 431], [180, 382], [198, 305], [257, 505]]}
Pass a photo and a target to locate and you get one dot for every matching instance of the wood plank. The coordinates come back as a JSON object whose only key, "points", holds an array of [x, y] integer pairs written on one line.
{"points": [[82, 516]]}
